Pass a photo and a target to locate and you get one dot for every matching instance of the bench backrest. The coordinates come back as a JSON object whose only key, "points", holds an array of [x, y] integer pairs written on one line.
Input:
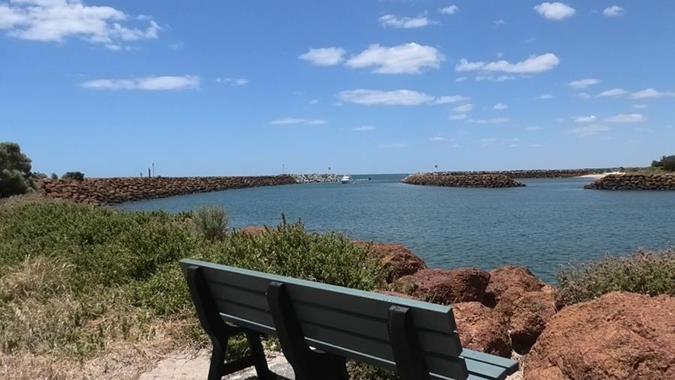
{"points": [[343, 321]]}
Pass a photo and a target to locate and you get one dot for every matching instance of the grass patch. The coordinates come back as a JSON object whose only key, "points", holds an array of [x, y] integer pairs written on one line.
{"points": [[651, 273], [76, 278]]}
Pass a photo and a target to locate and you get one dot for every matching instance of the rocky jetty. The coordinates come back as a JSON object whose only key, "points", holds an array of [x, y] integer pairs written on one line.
{"points": [[117, 190], [317, 178], [634, 181], [542, 173], [462, 180]]}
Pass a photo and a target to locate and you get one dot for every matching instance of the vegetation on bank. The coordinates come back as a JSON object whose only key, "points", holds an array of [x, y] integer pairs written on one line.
{"points": [[15, 170], [651, 273], [666, 163], [76, 278]]}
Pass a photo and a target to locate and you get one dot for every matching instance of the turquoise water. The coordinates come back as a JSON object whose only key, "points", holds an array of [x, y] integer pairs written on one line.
{"points": [[545, 225]]}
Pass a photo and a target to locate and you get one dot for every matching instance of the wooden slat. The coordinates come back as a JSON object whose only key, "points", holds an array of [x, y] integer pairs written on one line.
{"points": [[511, 366], [486, 370]]}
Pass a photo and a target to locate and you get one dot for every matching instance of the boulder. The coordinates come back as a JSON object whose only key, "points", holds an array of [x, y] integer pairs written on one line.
{"points": [[482, 329], [397, 259], [617, 336], [445, 286], [513, 278], [253, 230], [529, 316]]}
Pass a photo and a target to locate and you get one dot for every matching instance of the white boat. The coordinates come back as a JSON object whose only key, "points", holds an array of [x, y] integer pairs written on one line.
{"points": [[345, 179]]}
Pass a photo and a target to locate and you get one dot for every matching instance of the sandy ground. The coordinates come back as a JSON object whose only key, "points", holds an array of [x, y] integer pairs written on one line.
{"points": [[195, 366], [597, 176]]}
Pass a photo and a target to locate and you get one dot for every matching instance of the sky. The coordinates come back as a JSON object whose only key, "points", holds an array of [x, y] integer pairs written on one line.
{"points": [[391, 86]]}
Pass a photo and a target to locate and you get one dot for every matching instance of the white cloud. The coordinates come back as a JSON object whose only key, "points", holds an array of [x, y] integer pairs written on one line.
{"points": [[464, 108], [329, 56], [614, 11], [650, 93], [387, 98], [585, 119], [499, 22], [583, 83], [440, 139], [461, 116], [589, 130], [500, 107], [531, 65], [555, 11], [613, 93], [626, 118], [460, 79], [394, 146], [297, 121], [393, 21], [640, 106], [494, 120], [402, 97], [449, 10], [363, 128], [408, 58], [544, 97], [158, 83], [233, 81], [58, 20], [450, 99]]}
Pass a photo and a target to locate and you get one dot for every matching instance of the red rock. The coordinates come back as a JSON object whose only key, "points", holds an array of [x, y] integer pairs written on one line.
{"points": [[530, 314], [482, 329], [445, 286], [510, 277], [617, 336], [397, 259], [253, 230]]}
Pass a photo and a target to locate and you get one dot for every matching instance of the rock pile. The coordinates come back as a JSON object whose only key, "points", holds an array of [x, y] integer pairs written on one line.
{"points": [[634, 181], [456, 180], [317, 178], [117, 190]]}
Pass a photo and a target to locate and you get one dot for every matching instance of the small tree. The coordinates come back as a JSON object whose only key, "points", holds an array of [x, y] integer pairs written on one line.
{"points": [[73, 176], [668, 163], [15, 170]]}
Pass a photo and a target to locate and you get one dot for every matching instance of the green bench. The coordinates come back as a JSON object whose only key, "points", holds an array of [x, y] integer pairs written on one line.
{"points": [[319, 326]]}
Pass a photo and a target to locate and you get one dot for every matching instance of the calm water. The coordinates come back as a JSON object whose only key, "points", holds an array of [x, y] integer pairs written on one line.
{"points": [[543, 226]]}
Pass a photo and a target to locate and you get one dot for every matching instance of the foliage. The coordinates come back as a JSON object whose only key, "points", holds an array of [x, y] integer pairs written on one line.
{"points": [[667, 163], [15, 170], [54, 176], [73, 176], [74, 278], [211, 221], [651, 273]]}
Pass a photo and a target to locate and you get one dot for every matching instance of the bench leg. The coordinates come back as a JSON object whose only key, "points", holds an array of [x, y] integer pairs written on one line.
{"points": [[307, 364], [219, 333]]}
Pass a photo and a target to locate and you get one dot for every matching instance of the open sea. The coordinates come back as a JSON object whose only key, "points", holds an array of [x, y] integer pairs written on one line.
{"points": [[549, 223]]}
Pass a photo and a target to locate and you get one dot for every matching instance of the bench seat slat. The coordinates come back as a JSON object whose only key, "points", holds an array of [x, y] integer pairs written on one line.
{"points": [[509, 365]]}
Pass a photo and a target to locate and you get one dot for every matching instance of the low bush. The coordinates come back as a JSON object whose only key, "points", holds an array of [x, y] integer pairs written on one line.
{"points": [[15, 171], [73, 176], [651, 273], [74, 278], [211, 221]]}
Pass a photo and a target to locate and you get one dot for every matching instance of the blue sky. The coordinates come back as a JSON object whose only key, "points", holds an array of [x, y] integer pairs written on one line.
{"points": [[249, 87]]}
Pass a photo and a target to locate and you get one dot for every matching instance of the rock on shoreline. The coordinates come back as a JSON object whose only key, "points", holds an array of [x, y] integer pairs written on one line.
{"points": [[118, 190], [634, 181], [459, 180]]}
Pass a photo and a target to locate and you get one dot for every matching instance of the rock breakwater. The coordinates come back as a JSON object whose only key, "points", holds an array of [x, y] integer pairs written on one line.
{"points": [[317, 178], [118, 190], [634, 181], [462, 180]]}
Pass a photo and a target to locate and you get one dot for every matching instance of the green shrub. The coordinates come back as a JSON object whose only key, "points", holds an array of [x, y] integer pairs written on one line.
{"points": [[15, 170], [87, 276], [667, 163], [73, 176], [212, 222], [651, 273]]}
